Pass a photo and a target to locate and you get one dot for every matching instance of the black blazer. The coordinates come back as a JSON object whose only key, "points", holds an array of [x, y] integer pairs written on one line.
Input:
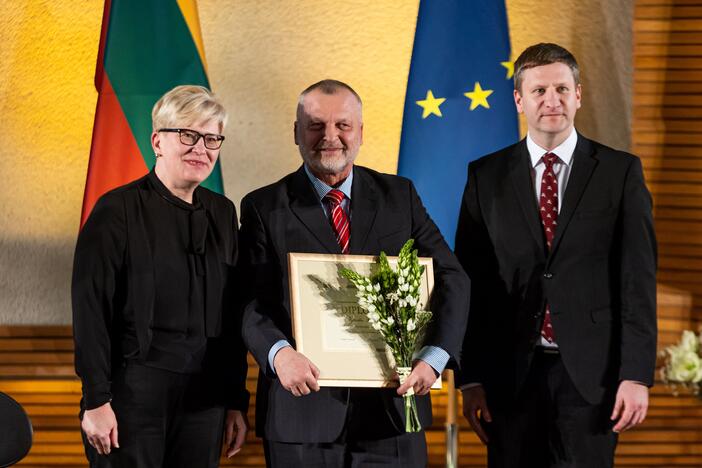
{"points": [[113, 277], [599, 278], [287, 217]]}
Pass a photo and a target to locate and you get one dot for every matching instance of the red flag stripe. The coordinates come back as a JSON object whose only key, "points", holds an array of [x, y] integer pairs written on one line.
{"points": [[114, 152]]}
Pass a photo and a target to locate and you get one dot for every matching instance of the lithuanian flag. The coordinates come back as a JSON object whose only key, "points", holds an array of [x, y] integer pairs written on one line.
{"points": [[147, 47]]}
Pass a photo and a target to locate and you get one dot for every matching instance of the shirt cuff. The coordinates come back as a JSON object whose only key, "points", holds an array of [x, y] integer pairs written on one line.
{"points": [[436, 357], [274, 350]]}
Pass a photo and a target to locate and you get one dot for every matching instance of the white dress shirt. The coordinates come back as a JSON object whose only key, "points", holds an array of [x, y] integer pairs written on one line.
{"points": [[561, 167]]}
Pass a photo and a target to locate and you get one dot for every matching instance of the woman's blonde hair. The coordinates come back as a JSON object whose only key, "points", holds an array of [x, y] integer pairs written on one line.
{"points": [[187, 105]]}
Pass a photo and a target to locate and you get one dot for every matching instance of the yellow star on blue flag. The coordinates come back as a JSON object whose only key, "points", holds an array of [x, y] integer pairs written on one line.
{"points": [[510, 68], [478, 97], [430, 105]]}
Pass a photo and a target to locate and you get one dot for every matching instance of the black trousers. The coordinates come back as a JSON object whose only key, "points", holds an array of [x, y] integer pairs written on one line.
{"points": [[550, 425], [164, 420], [369, 440]]}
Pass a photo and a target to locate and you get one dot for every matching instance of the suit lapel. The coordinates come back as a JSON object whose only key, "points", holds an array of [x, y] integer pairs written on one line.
{"points": [[305, 204], [520, 173], [364, 208], [584, 162]]}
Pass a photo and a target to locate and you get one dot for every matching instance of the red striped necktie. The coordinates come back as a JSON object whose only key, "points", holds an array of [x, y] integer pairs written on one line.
{"points": [[339, 220], [548, 207]]}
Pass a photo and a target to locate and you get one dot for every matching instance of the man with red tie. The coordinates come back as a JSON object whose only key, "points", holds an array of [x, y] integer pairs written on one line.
{"points": [[556, 234], [330, 205]]}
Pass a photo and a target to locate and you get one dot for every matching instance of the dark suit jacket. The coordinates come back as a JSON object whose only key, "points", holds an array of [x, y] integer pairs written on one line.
{"points": [[599, 278], [287, 217]]}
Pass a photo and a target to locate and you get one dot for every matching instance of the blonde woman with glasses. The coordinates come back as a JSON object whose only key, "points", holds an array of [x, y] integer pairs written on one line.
{"points": [[158, 345]]}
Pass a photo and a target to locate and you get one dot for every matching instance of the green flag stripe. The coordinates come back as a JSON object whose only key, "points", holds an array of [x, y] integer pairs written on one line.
{"points": [[149, 51]]}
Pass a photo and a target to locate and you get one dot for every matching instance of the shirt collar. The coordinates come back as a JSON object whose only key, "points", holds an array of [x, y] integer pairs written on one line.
{"points": [[564, 151], [323, 189]]}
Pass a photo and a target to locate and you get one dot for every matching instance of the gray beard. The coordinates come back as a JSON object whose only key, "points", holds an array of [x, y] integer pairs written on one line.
{"points": [[328, 166]]}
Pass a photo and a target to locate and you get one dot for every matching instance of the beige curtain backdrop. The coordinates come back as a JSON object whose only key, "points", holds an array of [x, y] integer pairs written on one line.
{"points": [[261, 54]]}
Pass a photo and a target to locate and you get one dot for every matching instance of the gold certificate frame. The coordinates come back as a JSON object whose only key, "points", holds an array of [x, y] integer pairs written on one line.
{"points": [[332, 330]]}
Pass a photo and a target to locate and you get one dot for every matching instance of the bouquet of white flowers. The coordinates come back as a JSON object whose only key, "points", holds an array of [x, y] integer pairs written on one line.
{"points": [[683, 363], [391, 301]]}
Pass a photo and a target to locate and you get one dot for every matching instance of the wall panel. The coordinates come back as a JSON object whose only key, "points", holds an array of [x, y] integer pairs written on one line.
{"points": [[666, 133]]}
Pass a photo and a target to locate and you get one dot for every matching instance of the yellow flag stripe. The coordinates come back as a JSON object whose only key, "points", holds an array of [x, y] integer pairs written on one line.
{"points": [[189, 10]]}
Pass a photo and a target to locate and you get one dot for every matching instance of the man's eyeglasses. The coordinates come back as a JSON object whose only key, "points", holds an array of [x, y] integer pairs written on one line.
{"points": [[191, 137]]}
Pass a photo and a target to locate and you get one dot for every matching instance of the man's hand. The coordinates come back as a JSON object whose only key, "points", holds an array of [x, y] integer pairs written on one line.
{"points": [[100, 427], [235, 428], [420, 379], [630, 406], [296, 373], [475, 407]]}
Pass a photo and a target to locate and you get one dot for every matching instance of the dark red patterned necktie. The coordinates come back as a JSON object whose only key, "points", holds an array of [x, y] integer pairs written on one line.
{"points": [[340, 222], [548, 207]]}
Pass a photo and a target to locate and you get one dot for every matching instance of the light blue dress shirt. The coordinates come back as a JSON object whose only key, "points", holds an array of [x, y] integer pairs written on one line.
{"points": [[432, 355]]}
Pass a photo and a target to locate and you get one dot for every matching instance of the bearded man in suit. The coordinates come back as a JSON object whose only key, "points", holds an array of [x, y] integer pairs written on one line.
{"points": [[556, 233], [329, 205]]}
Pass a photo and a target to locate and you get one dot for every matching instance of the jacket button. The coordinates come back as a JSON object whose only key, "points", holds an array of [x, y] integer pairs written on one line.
{"points": [[548, 275]]}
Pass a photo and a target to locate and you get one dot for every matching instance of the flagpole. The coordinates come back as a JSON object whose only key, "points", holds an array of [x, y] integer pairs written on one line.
{"points": [[451, 427]]}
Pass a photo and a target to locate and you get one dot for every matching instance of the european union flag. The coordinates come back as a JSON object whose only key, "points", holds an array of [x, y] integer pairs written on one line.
{"points": [[459, 103]]}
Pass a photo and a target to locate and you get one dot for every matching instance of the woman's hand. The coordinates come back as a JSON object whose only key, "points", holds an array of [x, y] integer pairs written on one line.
{"points": [[100, 427], [235, 425]]}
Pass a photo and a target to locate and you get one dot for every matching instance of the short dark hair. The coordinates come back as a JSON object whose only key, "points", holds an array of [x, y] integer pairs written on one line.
{"points": [[329, 86], [544, 53]]}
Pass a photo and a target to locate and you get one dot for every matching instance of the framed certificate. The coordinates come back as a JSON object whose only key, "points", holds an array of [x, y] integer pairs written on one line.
{"points": [[332, 330]]}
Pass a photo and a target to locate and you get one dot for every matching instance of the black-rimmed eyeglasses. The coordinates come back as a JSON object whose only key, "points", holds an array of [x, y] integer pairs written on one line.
{"points": [[191, 137]]}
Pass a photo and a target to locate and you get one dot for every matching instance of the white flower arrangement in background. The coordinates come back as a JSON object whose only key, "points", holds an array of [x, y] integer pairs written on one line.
{"points": [[683, 363]]}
